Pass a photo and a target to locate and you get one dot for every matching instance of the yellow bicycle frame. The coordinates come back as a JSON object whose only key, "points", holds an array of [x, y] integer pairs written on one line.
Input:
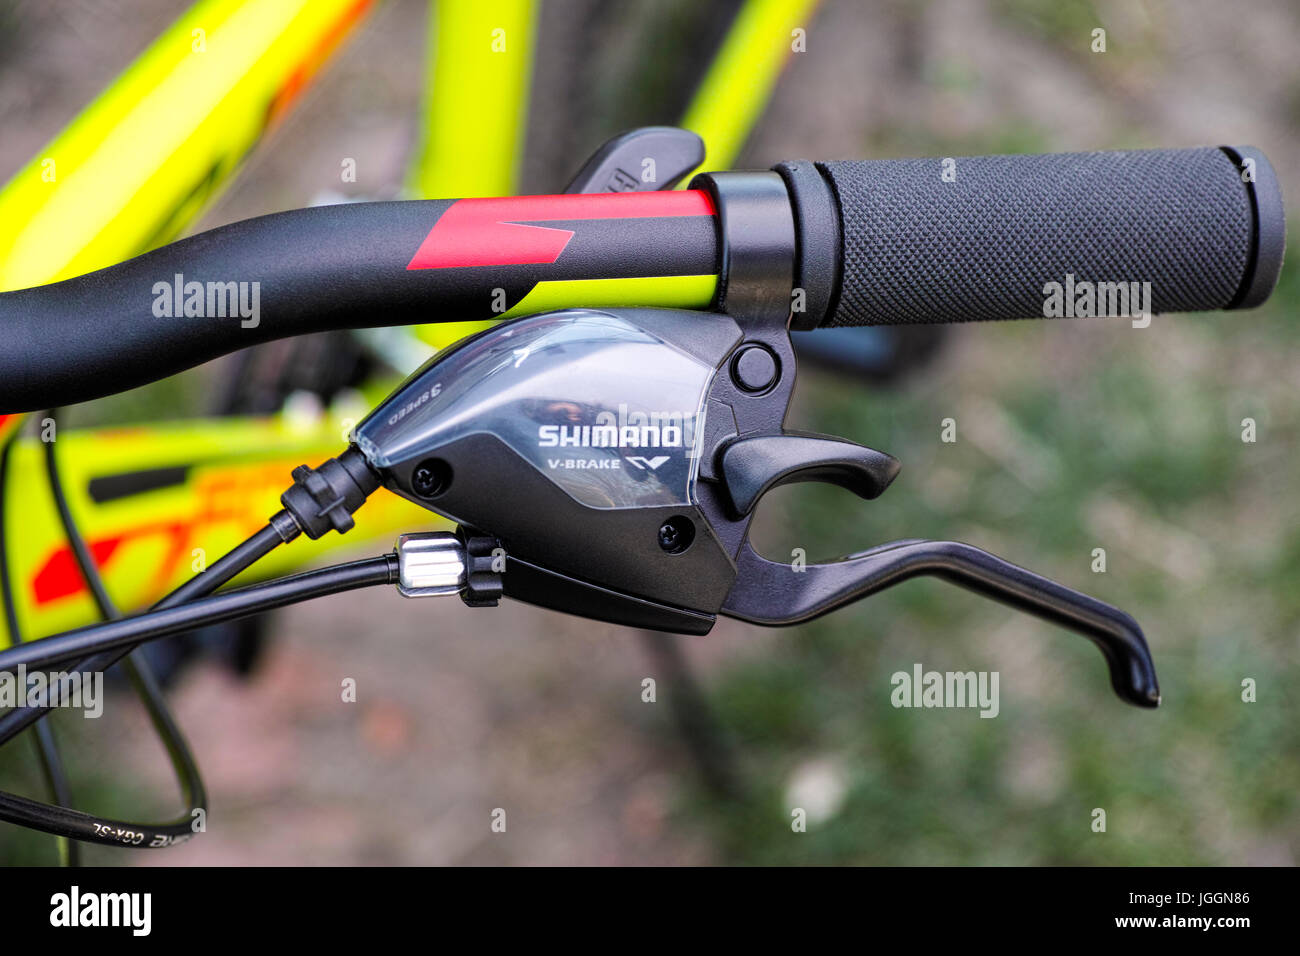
{"points": [[130, 173], [139, 164]]}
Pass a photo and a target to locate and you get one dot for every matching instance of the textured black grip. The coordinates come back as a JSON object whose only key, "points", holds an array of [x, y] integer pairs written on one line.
{"points": [[975, 238]]}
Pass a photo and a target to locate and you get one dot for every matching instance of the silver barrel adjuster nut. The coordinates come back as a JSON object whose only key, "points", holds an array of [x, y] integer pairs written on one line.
{"points": [[430, 565], [440, 563]]}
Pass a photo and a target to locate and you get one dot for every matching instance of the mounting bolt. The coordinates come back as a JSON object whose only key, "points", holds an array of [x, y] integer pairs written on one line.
{"points": [[676, 534], [430, 477]]}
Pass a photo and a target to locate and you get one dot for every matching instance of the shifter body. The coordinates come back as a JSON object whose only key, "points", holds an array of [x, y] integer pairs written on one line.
{"points": [[622, 448]]}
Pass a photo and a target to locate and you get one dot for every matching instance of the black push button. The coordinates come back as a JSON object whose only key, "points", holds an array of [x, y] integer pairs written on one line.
{"points": [[754, 368]]}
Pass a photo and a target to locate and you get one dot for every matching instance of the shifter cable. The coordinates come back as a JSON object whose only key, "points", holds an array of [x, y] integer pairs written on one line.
{"points": [[129, 632], [319, 500], [47, 749], [138, 670]]}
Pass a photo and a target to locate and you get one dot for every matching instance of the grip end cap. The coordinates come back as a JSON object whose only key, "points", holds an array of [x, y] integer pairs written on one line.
{"points": [[1270, 228]]}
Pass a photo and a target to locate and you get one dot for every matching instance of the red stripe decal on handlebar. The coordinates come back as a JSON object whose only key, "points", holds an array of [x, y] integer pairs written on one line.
{"points": [[495, 232]]}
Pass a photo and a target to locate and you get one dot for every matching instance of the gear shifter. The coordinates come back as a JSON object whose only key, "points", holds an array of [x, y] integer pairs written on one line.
{"points": [[619, 455]]}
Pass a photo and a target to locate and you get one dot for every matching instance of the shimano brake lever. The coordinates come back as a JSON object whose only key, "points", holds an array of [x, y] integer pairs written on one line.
{"points": [[619, 455], [768, 592]]}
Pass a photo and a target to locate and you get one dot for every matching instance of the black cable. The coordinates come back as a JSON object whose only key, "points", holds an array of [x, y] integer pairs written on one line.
{"points": [[279, 530], [153, 624], [80, 552], [202, 584], [56, 780], [347, 482], [137, 668], [61, 821], [226, 606], [47, 748], [54, 819]]}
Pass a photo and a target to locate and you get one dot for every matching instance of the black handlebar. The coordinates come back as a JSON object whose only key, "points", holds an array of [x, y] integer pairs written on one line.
{"points": [[1008, 237], [284, 274], [874, 242], [357, 265]]}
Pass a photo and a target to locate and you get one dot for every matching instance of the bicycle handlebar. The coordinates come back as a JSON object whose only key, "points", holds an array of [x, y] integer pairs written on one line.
{"points": [[358, 265], [978, 238], [874, 242]]}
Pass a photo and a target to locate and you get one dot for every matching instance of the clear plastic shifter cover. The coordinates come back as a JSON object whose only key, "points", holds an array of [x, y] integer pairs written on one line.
{"points": [[605, 409]]}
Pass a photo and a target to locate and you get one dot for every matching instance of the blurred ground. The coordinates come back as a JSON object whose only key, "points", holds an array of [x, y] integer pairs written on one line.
{"points": [[1072, 436]]}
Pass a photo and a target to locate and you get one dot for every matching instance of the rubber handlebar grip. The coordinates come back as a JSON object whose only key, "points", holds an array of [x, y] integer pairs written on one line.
{"points": [[1008, 237]]}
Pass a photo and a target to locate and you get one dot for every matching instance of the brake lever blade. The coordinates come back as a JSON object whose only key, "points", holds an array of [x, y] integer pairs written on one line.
{"points": [[768, 592]]}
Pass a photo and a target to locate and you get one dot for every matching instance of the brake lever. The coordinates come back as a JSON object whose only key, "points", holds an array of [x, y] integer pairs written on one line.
{"points": [[769, 592]]}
